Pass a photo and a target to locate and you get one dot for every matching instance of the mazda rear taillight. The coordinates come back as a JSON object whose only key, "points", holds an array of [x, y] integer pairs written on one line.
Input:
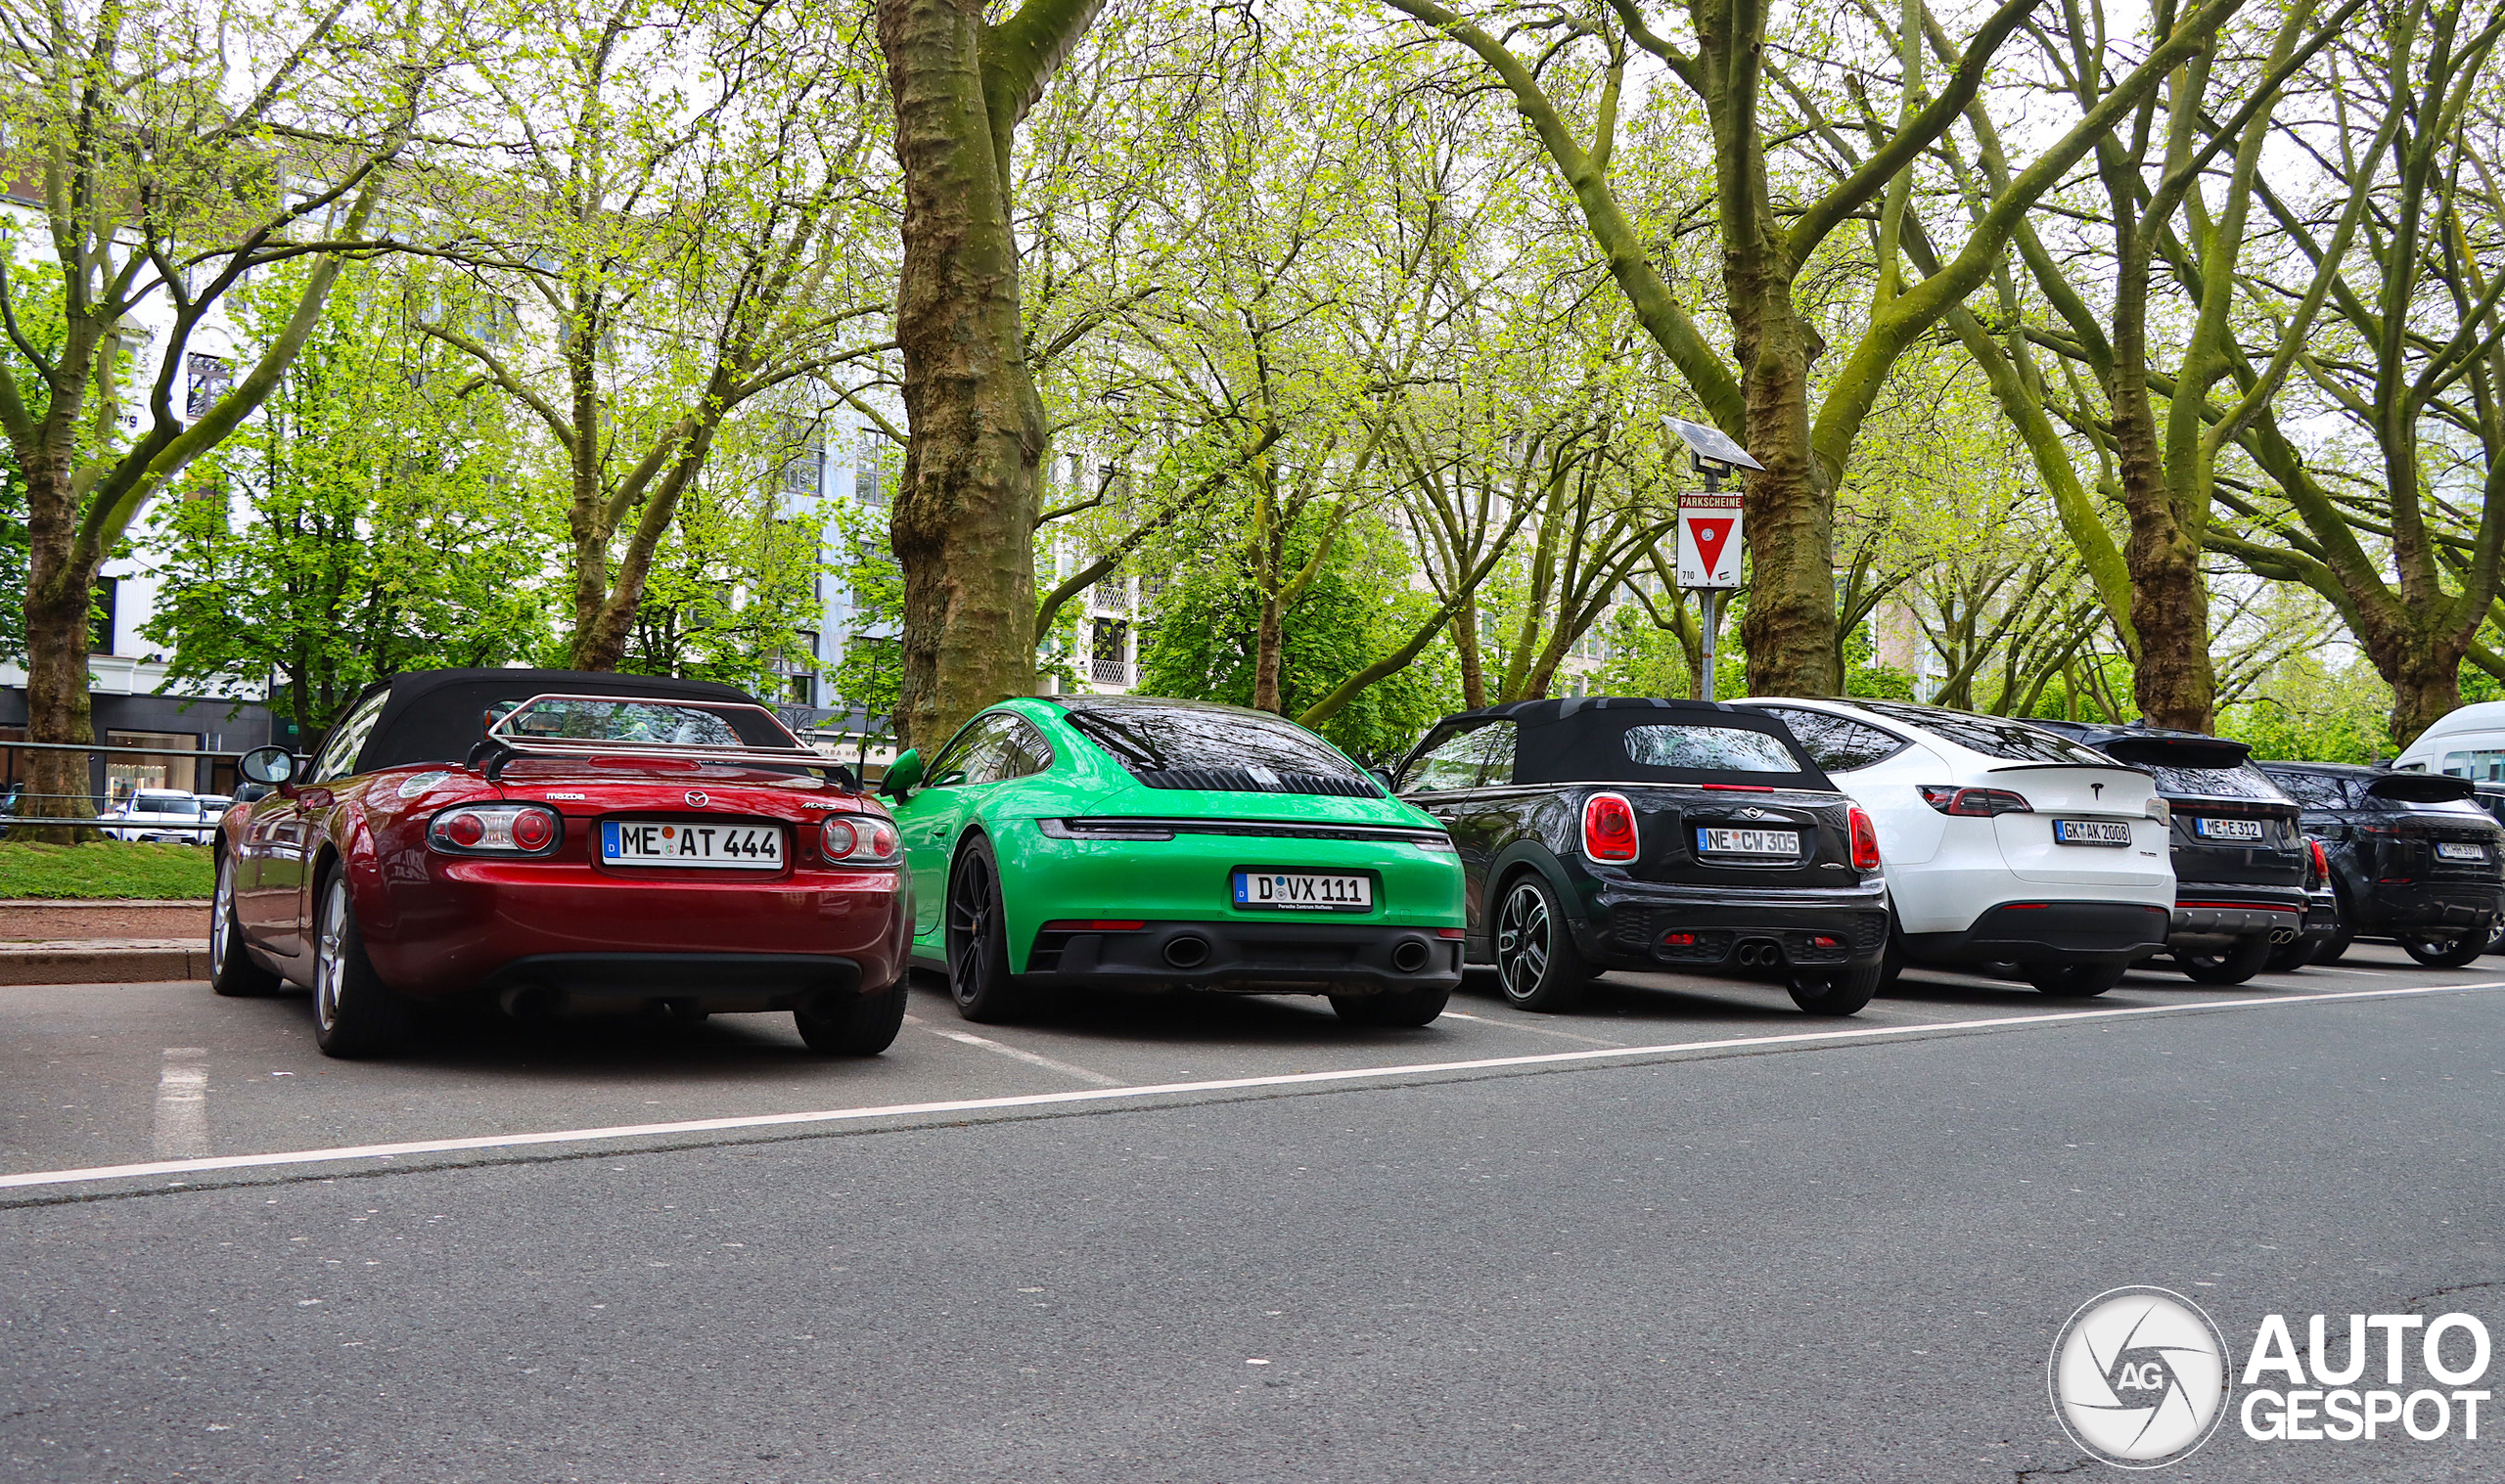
{"points": [[858, 839], [1865, 840], [1609, 829], [1980, 803], [496, 830]]}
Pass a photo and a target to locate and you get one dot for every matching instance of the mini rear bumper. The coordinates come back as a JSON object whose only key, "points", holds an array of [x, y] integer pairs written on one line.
{"points": [[1229, 957], [1688, 929], [2037, 932]]}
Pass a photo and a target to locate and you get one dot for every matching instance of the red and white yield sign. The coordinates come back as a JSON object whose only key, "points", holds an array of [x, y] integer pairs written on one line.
{"points": [[1709, 538]]}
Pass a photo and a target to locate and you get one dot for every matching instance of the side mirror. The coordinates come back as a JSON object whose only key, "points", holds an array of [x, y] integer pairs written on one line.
{"points": [[1384, 778], [268, 766], [902, 774]]}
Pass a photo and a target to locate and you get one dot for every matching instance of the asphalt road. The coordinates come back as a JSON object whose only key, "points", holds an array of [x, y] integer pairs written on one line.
{"points": [[1783, 1249]]}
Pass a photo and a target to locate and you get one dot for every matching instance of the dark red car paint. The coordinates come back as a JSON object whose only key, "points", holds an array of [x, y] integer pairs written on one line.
{"points": [[437, 925]]}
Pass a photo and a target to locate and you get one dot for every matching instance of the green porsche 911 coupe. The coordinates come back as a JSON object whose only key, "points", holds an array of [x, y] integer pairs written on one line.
{"points": [[1128, 841]]}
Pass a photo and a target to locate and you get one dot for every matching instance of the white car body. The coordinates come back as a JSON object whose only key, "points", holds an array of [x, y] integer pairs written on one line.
{"points": [[157, 814], [2467, 743], [1996, 887]]}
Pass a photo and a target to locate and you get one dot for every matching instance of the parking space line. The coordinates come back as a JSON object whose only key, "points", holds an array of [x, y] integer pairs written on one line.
{"points": [[1802, 1039], [180, 1129], [1098, 1079], [1536, 1030]]}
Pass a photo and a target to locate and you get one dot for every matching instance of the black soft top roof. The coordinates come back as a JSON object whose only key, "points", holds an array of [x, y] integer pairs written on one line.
{"points": [[437, 716], [1582, 738]]}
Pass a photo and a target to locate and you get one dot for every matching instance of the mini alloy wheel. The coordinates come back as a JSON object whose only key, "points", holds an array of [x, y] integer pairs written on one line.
{"points": [[1538, 963]]}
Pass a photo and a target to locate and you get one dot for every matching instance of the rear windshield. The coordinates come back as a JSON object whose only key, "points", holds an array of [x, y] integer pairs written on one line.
{"points": [[165, 804], [623, 721], [2244, 781], [1720, 750], [2313, 790], [1164, 740], [1992, 736]]}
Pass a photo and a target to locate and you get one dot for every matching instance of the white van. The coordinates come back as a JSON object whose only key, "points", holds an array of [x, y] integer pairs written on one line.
{"points": [[2467, 743]]}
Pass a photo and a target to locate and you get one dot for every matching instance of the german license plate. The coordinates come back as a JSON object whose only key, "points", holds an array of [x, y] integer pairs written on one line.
{"points": [[2092, 832], [676, 843], [1748, 841], [1303, 891], [2447, 851], [2227, 829]]}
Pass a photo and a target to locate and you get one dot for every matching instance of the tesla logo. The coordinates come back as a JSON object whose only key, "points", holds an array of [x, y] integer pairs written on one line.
{"points": [[2096, 790], [696, 798]]}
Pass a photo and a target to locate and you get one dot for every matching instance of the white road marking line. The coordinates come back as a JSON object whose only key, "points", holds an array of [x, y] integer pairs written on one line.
{"points": [[2371, 973], [1098, 1079], [1803, 1039], [1536, 1030], [181, 1127]]}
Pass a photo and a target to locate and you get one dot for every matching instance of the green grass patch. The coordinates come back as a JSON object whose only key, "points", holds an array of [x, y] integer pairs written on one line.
{"points": [[105, 868]]}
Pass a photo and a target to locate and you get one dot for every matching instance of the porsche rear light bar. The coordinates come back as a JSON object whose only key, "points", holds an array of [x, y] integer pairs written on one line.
{"points": [[510, 736]]}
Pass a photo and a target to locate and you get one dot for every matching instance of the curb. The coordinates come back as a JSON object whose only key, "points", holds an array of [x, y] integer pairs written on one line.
{"points": [[73, 963]]}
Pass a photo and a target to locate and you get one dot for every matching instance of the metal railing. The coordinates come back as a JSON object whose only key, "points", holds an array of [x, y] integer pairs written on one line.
{"points": [[1112, 672], [109, 806]]}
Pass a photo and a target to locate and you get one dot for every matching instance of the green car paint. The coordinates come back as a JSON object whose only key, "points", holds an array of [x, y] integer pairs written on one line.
{"points": [[1048, 876]]}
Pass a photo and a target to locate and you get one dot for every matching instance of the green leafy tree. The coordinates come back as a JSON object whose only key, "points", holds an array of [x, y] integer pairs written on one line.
{"points": [[365, 521]]}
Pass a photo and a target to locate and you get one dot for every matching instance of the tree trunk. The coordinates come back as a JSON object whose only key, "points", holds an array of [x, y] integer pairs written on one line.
{"points": [[2425, 671], [1269, 646], [61, 586], [1789, 629], [963, 524], [1465, 643]]}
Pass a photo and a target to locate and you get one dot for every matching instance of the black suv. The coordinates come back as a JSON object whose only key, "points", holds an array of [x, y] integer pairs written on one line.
{"points": [[2240, 861], [2413, 858]]}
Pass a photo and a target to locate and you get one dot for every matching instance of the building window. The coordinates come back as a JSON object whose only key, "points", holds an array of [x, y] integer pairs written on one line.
{"points": [[211, 377], [101, 615], [1111, 664]]}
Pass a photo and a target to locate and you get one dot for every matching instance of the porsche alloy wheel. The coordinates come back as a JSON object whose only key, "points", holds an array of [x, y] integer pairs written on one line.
{"points": [[979, 937], [1538, 963], [354, 1012], [231, 970]]}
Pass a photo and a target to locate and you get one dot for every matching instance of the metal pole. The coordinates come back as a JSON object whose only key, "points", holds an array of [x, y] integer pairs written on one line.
{"points": [[1712, 599]]}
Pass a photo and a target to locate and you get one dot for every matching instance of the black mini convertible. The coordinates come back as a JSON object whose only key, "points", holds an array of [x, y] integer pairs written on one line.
{"points": [[1614, 833]]}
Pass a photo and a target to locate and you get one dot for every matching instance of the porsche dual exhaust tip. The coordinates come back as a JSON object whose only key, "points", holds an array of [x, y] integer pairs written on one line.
{"points": [[1409, 955], [1187, 950]]}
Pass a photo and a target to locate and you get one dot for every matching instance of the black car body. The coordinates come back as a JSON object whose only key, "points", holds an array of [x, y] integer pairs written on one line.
{"points": [[2414, 857], [2240, 859], [1600, 833]]}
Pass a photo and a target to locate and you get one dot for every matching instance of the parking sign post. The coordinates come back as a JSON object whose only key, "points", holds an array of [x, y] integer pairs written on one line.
{"points": [[1711, 543]]}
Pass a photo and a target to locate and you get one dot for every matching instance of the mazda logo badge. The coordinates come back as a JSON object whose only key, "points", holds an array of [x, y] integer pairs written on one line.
{"points": [[697, 799]]}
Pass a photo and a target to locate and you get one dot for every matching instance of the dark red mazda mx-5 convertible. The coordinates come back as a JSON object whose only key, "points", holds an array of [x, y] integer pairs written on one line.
{"points": [[555, 840]]}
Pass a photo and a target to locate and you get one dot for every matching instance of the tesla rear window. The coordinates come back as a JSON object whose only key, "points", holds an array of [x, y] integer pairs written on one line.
{"points": [[1711, 750], [1163, 740], [1991, 735]]}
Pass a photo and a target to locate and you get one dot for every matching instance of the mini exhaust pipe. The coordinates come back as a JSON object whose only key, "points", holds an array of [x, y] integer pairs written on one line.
{"points": [[1757, 953], [1187, 950], [1409, 955]]}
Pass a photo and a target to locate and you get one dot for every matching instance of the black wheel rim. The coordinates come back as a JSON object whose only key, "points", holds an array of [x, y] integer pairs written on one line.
{"points": [[1523, 934], [970, 906]]}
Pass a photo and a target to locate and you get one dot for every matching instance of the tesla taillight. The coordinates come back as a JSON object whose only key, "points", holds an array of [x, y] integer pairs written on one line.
{"points": [[1609, 829], [858, 839], [1979, 803], [1865, 840], [496, 830]]}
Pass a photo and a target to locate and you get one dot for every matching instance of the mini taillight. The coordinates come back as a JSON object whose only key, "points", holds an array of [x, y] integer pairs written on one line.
{"points": [[1609, 829], [1865, 840], [496, 830], [1978, 803], [1679, 940], [858, 839]]}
